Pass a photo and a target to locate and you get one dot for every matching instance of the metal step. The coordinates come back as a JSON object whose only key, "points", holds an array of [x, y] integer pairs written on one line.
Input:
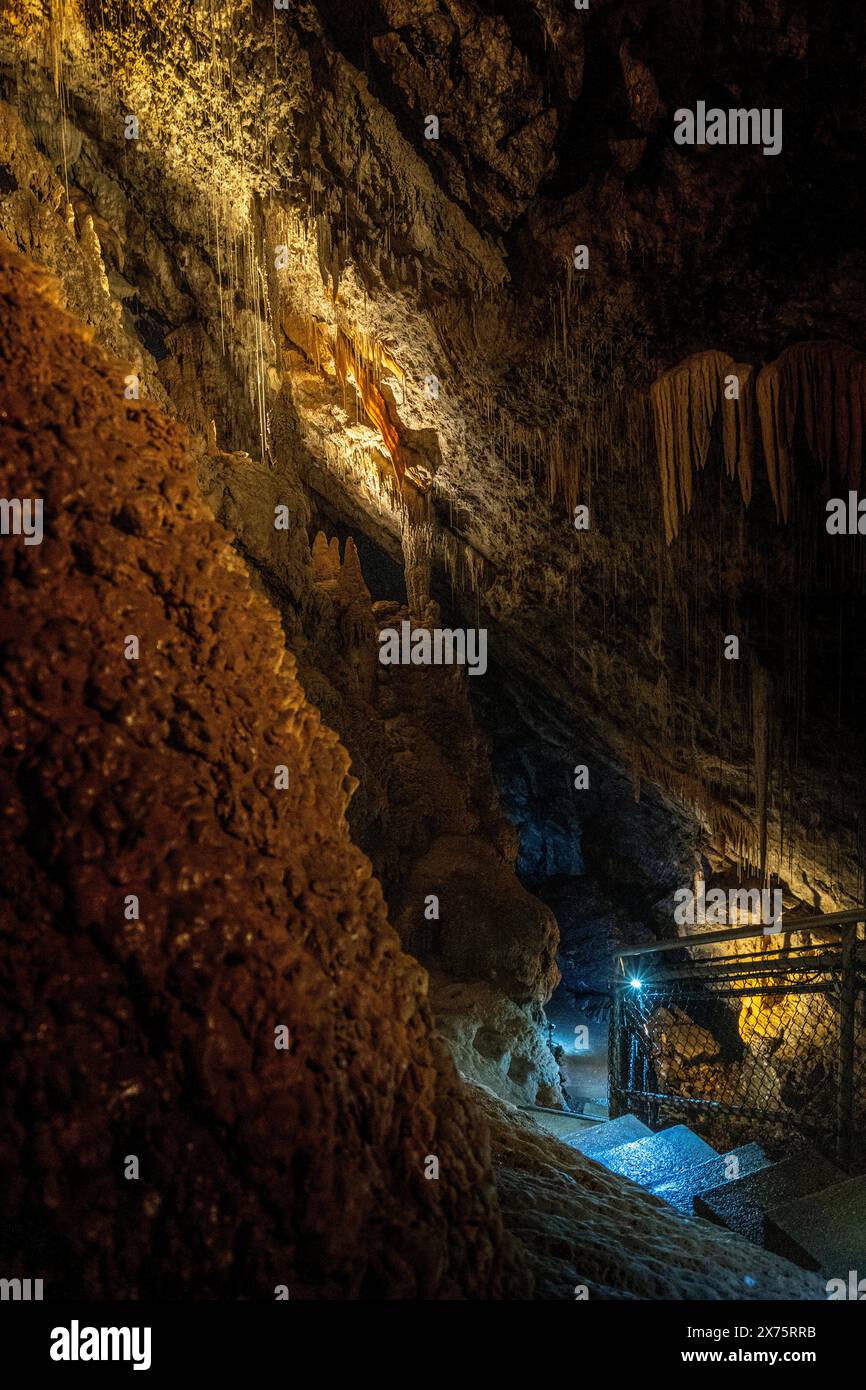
{"points": [[743, 1206], [825, 1230], [681, 1189], [659, 1155], [610, 1134]]}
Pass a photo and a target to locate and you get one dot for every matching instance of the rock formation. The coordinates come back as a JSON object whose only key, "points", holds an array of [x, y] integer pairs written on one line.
{"points": [[350, 302], [148, 1029], [468, 376], [813, 392], [214, 1041]]}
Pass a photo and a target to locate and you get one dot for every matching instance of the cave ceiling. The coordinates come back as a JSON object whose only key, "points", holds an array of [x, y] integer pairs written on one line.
{"points": [[405, 325]]}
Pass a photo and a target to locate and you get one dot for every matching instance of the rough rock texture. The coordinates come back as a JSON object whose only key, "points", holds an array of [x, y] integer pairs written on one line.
{"points": [[291, 259], [148, 1030], [502, 934], [154, 1036], [496, 1042], [379, 332]]}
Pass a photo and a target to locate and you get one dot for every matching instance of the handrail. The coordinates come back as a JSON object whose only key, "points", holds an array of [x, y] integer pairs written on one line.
{"points": [[846, 917], [552, 1110], [780, 971]]}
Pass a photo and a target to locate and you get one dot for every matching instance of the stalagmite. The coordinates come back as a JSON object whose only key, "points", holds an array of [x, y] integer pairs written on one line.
{"points": [[325, 570], [351, 584]]}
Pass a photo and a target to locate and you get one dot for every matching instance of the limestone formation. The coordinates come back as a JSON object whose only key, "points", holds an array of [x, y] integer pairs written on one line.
{"points": [[153, 1032], [294, 284], [453, 381], [147, 977], [809, 399]]}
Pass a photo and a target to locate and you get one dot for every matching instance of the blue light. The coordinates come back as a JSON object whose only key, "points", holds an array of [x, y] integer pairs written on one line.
{"points": [[635, 983]]}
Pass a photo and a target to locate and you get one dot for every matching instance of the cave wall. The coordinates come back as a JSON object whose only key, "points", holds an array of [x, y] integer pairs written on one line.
{"points": [[405, 257], [419, 764], [150, 1030], [284, 275], [169, 905]]}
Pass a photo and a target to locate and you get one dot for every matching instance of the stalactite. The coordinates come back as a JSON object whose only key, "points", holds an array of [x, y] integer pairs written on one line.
{"points": [[731, 830], [738, 429], [761, 735], [813, 394], [853, 427], [775, 436], [361, 362], [417, 539], [685, 401], [466, 567]]}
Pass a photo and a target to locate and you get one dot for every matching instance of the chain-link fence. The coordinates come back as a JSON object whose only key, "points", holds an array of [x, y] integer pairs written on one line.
{"points": [[762, 1039]]}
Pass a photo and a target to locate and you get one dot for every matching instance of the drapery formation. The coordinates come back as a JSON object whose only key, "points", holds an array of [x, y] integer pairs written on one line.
{"points": [[362, 362], [810, 401]]}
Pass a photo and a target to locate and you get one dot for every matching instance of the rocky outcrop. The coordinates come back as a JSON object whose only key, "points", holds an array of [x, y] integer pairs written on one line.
{"points": [[495, 1041], [213, 1040], [501, 934]]}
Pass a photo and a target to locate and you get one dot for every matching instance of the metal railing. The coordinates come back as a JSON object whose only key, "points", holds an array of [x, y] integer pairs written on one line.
{"points": [[764, 1038]]}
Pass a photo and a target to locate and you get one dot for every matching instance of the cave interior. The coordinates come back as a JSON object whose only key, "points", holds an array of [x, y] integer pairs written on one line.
{"points": [[330, 330]]}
